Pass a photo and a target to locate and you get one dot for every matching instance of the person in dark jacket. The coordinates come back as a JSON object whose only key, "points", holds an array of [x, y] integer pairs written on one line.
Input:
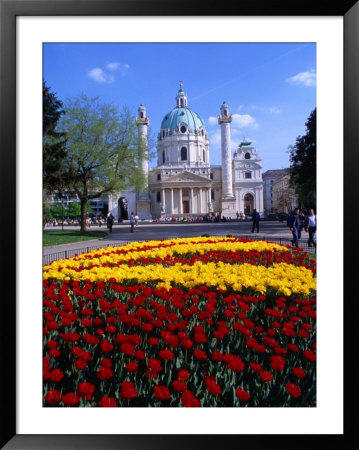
{"points": [[295, 226], [110, 220], [310, 226], [132, 222], [255, 220]]}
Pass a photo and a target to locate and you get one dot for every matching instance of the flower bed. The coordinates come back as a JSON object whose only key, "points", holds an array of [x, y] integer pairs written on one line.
{"points": [[182, 322]]}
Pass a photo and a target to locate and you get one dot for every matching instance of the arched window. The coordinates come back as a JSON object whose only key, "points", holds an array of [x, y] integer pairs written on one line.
{"points": [[163, 157], [158, 197], [212, 194], [141, 115], [247, 175], [122, 209], [183, 129], [184, 154], [247, 156], [163, 133], [248, 204], [204, 156]]}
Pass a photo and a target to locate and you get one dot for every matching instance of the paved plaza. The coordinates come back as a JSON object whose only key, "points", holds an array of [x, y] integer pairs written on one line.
{"points": [[121, 234]]}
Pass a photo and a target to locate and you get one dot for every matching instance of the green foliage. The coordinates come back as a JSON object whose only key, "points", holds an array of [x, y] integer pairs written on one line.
{"points": [[73, 211], [54, 142], [304, 162], [103, 149], [53, 212]]}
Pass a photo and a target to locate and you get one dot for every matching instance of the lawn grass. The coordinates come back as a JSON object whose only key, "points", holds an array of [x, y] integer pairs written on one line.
{"points": [[59, 237]]}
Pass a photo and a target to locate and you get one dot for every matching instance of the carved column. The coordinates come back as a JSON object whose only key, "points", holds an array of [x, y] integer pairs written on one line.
{"points": [[180, 201], [171, 201], [164, 200], [191, 207]]}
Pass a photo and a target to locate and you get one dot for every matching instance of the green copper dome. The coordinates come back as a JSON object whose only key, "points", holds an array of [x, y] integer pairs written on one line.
{"points": [[245, 142], [182, 116]]}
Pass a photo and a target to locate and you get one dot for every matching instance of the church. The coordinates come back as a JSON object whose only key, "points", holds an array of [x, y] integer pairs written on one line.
{"points": [[184, 183]]}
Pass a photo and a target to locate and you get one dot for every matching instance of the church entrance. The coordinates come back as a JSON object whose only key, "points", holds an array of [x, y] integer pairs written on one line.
{"points": [[185, 205], [122, 209], [248, 204]]}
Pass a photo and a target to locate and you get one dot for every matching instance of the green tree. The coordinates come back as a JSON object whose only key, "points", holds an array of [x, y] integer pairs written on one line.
{"points": [[54, 212], [303, 159], [74, 210], [54, 141], [103, 149]]}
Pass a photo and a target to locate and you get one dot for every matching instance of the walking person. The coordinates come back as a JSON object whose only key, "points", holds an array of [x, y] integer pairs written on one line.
{"points": [[255, 220], [310, 226], [132, 222], [110, 220], [295, 226], [136, 219]]}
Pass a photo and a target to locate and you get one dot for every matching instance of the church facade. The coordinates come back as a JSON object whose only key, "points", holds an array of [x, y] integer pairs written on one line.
{"points": [[184, 183]]}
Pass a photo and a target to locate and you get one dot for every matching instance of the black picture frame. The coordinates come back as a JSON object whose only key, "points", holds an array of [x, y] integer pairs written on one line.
{"points": [[9, 10]]}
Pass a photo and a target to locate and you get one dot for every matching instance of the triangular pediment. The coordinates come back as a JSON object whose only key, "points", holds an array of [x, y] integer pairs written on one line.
{"points": [[186, 176]]}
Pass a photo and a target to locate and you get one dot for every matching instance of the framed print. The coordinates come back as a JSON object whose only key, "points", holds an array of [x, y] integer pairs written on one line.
{"points": [[30, 31]]}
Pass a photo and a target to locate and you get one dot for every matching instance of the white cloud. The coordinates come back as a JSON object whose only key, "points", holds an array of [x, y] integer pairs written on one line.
{"points": [[266, 109], [212, 120], [121, 68], [215, 140], [274, 110], [103, 76], [244, 121], [238, 121], [100, 76], [307, 78], [113, 66]]}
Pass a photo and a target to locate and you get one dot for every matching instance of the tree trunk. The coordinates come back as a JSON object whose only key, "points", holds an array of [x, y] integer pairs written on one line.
{"points": [[62, 213], [83, 213]]}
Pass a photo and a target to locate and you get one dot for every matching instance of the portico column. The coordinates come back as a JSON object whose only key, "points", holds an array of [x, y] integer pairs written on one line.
{"points": [[208, 198], [164, 200], [200, 200], [180, 201], [191, 209], [171, 201]]}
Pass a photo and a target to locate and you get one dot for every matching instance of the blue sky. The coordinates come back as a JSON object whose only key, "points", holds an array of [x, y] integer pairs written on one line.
{"points": [[270, 87]]}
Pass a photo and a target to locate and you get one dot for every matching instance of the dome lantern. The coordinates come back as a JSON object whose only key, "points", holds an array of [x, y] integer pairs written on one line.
{"points": [[181, 97]]}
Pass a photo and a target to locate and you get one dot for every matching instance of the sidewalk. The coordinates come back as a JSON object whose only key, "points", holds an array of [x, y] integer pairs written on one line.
{"points": [[121, 236]]}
